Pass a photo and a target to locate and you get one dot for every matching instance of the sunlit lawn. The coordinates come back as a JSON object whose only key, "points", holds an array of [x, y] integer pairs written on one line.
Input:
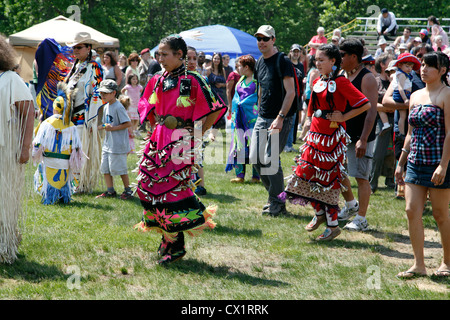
{"points": [[89, 250]]}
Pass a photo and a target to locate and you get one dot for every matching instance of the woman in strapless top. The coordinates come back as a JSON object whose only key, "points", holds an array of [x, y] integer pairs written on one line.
{"points": [[426, 154]]}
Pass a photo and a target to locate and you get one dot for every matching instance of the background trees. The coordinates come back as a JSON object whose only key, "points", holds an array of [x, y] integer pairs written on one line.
{"points": [[142, 23]]}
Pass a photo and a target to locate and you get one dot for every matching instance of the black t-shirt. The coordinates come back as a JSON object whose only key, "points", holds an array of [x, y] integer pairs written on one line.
{"points": [[271, 98], [355, 125]]}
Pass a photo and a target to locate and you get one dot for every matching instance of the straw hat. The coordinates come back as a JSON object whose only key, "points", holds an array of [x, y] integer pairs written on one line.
{"points": [[83, 37], [382, 41], [408, 57]]}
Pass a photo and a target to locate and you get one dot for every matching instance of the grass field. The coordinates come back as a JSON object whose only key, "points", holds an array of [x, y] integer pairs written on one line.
{"points": [[88, 250]]}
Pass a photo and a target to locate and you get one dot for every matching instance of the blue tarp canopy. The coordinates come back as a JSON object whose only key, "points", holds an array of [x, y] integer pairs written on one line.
{"points": [[223, 39]]}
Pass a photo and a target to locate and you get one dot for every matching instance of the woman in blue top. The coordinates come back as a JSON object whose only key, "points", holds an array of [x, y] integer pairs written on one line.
{"points": [[216, 77], [243, 118], [426, 152]]}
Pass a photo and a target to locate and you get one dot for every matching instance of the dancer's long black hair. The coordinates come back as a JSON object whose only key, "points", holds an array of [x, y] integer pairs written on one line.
{"points": [[332, 52]]}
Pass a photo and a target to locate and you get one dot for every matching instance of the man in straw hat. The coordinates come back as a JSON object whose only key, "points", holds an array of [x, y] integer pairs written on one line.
{"points": [[84, 79]]}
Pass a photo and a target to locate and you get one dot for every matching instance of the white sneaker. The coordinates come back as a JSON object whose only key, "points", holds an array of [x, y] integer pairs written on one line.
{"points": [[386, 127], [358, 224], [288, 149], [347, 212]]}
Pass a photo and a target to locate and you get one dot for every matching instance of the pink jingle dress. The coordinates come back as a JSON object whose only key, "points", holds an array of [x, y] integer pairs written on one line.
{"points": [[164, 180]]}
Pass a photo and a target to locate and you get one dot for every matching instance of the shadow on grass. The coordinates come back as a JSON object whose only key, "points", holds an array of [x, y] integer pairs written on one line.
{"points": [[378, 248], [224, 230], [201, 268], [221, 198], [23, 269], [80, 204], [396, 237]]}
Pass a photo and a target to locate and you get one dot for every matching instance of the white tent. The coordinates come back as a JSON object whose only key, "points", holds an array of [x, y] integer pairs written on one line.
{"points": [[61, 29]]}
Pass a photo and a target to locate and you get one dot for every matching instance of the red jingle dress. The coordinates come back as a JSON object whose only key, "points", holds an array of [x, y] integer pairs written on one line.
{"points": [[320, 165]]}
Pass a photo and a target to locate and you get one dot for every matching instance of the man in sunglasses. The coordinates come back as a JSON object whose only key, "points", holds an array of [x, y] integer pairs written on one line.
{"points": [[276, 93]]}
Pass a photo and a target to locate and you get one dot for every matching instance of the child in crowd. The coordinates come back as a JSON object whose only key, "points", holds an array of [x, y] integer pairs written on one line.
{"points": [[116, 144], [402, 83], [125, 101], [133, 89]]}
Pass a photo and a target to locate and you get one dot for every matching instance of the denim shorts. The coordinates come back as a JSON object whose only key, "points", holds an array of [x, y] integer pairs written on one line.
{"points": [[421, 175]]}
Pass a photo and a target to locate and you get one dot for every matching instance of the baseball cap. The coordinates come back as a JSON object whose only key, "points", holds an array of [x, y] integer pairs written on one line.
{"points": [[145, 51], [418, 39], [296, 46], [424, 31], [384, 10], [266, 30], [108, 86], [369, 59], [208, 57]]}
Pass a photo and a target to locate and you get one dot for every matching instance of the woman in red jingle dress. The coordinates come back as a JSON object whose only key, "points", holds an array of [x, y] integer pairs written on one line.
{"points": [[172, 102], [320, 164]]}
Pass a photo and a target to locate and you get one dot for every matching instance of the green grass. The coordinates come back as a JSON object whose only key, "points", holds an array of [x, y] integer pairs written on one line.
{"points": [[247, 256]]}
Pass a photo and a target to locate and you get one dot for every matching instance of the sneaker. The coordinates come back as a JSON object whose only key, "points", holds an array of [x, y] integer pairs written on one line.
{"points": [[357, 224], [347, 212], [315, 222], [386, 127], [200, 191], [274, 209], [329, 234], [126, 195], [237, 180], [107, 194], [288, 149]]}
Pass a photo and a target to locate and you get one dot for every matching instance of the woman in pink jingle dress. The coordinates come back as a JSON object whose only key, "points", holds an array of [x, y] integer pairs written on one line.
{"points": [[172, 102]]}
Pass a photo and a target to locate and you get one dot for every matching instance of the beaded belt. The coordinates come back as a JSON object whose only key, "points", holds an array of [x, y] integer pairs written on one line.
{"points": [[172, 122]]}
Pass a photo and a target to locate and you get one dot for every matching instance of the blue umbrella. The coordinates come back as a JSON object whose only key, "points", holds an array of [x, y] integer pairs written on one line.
{"points": [[223, 39]]}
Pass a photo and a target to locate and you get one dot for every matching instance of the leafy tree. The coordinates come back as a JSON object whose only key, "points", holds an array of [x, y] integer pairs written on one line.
{"points": [[142, 23]]}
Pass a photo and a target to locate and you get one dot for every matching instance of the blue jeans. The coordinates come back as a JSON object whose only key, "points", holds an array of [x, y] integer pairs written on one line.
{"points": [[290, 138]]}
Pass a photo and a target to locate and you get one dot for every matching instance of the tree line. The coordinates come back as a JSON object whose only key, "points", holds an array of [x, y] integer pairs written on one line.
{"points": [[142, 23]]}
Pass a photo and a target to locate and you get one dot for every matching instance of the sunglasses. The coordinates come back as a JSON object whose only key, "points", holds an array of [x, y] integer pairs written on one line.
{"points": [[79, 47], [265, 39]]}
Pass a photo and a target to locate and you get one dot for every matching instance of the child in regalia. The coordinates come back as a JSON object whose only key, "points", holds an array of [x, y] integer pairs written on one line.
{"points": [[320, 165], [57, 151]]}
